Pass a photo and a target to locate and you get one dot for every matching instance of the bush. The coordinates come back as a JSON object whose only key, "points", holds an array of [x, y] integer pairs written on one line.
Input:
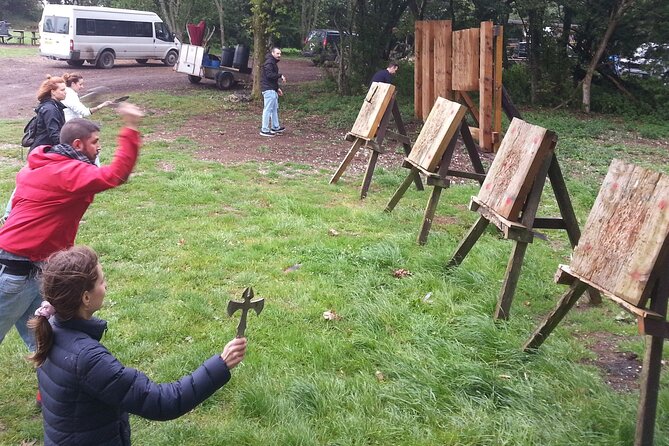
{"points": [[517, 82]]}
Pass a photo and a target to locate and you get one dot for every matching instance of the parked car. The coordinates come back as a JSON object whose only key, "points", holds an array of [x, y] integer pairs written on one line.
{"points": [[626, 67], [321, 45]]}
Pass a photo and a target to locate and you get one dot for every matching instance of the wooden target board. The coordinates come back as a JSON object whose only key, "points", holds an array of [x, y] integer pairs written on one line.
{"points": [[625, 232], [373, 108], [522, 152], [466, 49], [436, 134]]}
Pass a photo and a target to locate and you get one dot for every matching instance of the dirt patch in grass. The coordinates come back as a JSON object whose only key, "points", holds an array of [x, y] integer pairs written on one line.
{"points": [[621, 369], [234, 138]]}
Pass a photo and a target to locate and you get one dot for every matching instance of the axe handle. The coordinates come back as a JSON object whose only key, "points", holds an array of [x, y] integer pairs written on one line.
{"points": [[242, 324]]}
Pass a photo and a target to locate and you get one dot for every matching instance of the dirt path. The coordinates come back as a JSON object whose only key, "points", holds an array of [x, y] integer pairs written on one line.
{"points": [[24, 75]]}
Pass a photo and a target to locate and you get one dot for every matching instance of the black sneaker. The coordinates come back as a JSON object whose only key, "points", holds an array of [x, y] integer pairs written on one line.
{"points": [[279, 130], [268, 134]]}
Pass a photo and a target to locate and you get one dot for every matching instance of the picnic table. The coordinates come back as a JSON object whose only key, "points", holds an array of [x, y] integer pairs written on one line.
{"points": [[4, 32]]}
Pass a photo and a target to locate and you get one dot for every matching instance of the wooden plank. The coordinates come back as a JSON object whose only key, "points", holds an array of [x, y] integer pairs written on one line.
{"points": [[510, 229], [428, 68], [553, 319], [468, 242], [523, 151], [466, 44], [486, 90], [440, 127], [418, 72], [347, 160], [373, 108], [640, 312], [497, 93], [443, 53], [503, 308], [625, 232]]}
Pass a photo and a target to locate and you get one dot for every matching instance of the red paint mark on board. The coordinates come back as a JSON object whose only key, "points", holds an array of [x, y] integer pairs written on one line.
{"points": [[614, 186], [663, 204], [509, 200], [636, 276]]}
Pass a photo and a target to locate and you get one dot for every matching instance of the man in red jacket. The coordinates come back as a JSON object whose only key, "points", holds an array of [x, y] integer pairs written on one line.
{"points": [[53, 192]]}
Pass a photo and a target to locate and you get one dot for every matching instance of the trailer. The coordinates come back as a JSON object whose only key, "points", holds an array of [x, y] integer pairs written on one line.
{"points": [[197, 63]]}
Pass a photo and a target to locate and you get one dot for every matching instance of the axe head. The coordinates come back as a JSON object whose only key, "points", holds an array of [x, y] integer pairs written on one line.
{"points": [[256, 305]]}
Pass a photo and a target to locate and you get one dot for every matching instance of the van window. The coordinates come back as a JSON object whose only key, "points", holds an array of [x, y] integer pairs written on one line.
{"points": [[117, 28], [58, 25], [162, 32]]}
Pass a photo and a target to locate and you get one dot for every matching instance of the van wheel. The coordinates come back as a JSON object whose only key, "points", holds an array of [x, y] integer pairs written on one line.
{"points": [[171, 58], [75, 63], [106, 60], [224, 80], [142, 61], [194, 79]]}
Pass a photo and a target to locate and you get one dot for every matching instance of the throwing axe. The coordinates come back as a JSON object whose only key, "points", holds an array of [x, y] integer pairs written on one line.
{"points": [[247, 304]]}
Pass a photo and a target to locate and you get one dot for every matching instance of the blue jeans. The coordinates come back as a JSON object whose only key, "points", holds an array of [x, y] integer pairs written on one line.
{"points": [[270, 110], [19, 298]]}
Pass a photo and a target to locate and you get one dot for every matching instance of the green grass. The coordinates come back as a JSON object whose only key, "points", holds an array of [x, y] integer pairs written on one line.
{"points": [[397, 368], [14, 51]]}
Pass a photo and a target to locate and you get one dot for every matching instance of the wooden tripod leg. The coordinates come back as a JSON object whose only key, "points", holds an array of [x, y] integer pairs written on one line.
{"points": [[429, 214], [510, 280], [652, 366], [347, 160], [552, 320], [468, 242], [402, 189], [650, 386], [368, 174]]}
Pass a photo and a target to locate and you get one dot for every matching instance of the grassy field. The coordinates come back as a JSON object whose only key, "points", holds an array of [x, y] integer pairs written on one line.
{"points": [[415, 360]]}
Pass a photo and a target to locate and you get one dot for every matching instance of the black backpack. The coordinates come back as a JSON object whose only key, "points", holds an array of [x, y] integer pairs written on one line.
{"points": [[29, 132]]}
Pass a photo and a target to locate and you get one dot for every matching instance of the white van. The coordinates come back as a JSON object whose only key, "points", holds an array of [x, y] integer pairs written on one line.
{"points": [[99, 35]]}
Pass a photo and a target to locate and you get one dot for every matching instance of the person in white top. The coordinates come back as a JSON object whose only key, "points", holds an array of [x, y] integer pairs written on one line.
{"points": [[75, 109]]}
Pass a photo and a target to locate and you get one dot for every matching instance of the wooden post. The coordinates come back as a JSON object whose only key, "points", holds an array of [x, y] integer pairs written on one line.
{"points": [[652, 367], [468, 242], [347, 160], [402, 189], [497, 93], [428, 68], [548, 325], [486, 87], [418, 72]]}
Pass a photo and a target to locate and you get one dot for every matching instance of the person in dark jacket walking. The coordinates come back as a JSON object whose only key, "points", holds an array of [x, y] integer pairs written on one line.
{"points": [[86, 392], [269, 85], [387, 74]]}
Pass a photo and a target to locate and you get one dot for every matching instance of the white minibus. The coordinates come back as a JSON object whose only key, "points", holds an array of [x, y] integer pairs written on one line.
{"points": [[99, 36]]}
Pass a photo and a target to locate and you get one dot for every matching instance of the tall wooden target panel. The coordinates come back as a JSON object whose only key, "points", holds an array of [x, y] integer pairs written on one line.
{"points": [[452, 65], [624, 253]]}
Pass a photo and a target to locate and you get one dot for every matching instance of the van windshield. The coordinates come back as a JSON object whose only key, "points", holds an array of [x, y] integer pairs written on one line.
{"points": [[55, 24]]}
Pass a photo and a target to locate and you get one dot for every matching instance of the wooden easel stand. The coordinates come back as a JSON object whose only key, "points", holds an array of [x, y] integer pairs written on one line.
{"points": [[376, 147], [439, 179]]}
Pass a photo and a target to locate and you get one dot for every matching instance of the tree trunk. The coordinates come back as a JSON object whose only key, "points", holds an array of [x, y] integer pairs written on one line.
{"points": [[259, 39], [535, 17], [614, 18], [221, 10]]}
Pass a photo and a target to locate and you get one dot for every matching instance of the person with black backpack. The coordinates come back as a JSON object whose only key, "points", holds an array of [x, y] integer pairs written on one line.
{"points": [[49, 119], [50, 114]]}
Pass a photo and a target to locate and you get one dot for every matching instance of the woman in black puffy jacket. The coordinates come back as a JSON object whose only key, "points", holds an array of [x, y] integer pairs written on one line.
{"points": [[50, 116]]}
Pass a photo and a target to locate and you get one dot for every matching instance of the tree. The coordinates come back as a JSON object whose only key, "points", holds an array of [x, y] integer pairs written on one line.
{"points": [[617, 11]]}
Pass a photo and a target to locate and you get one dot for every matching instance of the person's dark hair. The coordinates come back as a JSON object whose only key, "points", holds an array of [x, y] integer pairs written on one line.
{"points": [[72, 78], [77, 128], [50, 84], [392, 64], [66, 275]]}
